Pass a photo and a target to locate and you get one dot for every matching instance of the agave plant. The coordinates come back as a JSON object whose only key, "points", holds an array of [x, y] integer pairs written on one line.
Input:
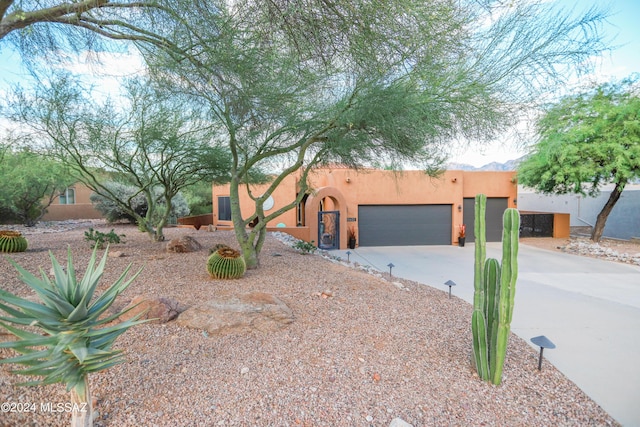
{"points": [[76, 341]]}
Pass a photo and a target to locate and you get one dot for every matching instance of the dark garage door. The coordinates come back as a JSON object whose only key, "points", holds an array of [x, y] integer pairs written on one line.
{"points": [[395, 225], [495, 209]]}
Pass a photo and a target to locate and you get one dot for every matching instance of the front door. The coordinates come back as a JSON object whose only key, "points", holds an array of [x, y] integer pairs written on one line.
{"points": [[329, 229]]}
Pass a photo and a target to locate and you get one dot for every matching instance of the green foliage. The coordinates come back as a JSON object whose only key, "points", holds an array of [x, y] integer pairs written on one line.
{"points": [[199, 198], [30, 183], [122, 201], [587, 140], [494, 294], [305, 247], [148, 139], [352, 82], [61, 26], [74, 339], [12, 241], [99, 238], [226, 263]]}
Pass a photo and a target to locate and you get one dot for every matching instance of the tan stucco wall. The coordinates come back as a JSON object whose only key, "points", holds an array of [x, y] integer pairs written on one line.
{"points": [[82, 209], [284, 194], [350, 188], [561, 225]]}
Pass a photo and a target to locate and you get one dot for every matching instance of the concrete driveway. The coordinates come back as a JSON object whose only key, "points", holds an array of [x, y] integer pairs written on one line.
{"points": [[589, 308]]}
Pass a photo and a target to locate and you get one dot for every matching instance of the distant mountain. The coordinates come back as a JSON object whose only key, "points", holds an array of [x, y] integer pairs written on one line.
{"points": [[509, 165]]}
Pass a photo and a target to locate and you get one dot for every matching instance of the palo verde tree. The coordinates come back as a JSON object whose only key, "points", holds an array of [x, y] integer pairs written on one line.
{"points": [[149, 140], [54, 26], [588, 140], [30, 184], [294, 85]]}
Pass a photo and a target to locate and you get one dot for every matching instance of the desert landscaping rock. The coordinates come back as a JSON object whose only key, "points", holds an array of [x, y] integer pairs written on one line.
{"points": [[183, 244], [317, 370], [589, 248], [158, 309], [256, 311]]}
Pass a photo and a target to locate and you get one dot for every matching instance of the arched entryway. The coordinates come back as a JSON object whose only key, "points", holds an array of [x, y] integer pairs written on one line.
{"points": [[326, 215]]}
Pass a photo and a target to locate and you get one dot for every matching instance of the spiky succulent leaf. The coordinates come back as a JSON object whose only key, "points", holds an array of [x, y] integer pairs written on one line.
{"points": [[37, 312], [75, 345]]}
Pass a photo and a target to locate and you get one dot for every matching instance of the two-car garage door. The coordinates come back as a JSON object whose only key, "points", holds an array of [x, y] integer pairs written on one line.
{"points": [[403, 225]]}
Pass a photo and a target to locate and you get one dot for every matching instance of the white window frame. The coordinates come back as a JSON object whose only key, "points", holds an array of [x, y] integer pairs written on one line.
{"points": [[68, 193]]}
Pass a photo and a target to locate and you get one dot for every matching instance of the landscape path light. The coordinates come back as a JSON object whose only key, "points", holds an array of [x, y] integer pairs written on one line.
{"points": [[542, 342], [450, 283], [390, 265]]}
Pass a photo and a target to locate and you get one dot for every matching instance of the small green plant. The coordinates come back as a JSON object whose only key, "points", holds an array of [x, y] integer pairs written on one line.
{"points": [[305, 247], [99, 238], [73, 340], [226, 263], [12, 241]]}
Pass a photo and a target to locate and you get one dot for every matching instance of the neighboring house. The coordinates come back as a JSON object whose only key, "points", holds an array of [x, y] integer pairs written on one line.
{"points": [[623, 222], [73, 203], [385, 208]]}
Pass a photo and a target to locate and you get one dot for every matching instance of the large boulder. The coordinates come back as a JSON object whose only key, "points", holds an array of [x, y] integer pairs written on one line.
{"points": [[160, 309], [183, 244], [237, 314]]}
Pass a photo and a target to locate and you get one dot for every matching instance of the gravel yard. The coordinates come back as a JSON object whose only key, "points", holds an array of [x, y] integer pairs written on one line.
{"points": [[370, 352]]}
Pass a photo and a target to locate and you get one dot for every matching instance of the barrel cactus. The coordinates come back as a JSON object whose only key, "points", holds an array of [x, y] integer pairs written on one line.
{"points": [[226, 263], [12, 241]]}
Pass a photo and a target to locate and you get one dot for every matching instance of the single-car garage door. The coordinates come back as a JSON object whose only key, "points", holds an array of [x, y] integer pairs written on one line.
{"points": [[403, 225], [495, 209]]}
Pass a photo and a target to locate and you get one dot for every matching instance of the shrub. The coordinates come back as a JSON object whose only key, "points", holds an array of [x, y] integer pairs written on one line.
{"points": [[199, 198], [305, 247], [137, 202], [226, 263], [99, 238], [110, 209]]}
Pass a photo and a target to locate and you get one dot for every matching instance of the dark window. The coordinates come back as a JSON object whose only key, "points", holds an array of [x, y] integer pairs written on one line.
{"points": [[224, 208]]}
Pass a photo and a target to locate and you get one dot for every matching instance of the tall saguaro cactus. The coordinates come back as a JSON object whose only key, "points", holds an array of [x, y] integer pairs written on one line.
{"points": [[494, 293]]}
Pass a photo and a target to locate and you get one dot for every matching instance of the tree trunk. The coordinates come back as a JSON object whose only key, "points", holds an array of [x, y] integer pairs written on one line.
{"points": [[250, 254], [598, 229], [82, 412]]}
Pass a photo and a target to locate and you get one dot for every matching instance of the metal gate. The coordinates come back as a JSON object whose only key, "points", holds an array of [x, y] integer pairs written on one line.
{"points": [[329, 229], [536, 225]]}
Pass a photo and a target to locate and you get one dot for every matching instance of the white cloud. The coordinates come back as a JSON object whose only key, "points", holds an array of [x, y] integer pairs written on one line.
{"points": [[105, 70]]}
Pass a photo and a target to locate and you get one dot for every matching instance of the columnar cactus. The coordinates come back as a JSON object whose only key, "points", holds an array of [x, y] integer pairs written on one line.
{"points": [[494, 294], [12, 241], [226, 263]]}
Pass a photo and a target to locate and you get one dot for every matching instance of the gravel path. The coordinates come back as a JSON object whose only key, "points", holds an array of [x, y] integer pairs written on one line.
{"points": [[371, 352]]}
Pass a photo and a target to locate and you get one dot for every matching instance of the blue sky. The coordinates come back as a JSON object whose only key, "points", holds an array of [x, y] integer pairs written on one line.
{"points": [[623, 27]]}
